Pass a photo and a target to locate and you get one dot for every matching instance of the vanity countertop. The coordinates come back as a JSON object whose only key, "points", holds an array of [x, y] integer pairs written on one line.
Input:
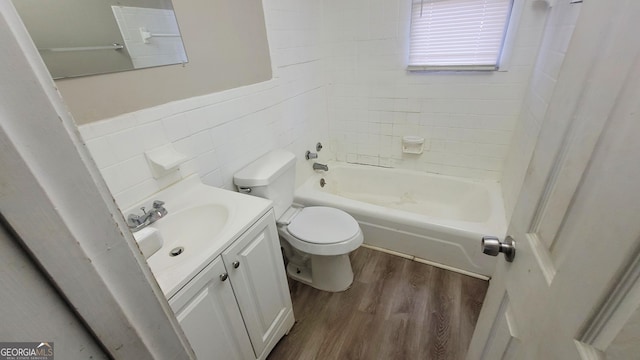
{"points": [[194, 211]]}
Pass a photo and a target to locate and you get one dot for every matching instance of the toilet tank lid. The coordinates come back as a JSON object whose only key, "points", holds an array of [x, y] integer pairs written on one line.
{"points": [[265, 169]]}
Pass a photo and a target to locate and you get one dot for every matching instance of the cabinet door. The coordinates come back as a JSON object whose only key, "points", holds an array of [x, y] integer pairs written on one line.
{"points": [[257, 274], [207, 311]]}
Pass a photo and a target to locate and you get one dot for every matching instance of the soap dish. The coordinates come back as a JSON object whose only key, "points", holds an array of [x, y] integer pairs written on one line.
{"points": [[164, 160], [412, 144]]}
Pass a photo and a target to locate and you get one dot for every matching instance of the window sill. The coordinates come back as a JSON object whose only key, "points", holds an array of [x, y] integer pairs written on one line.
{"points": [[452, 68]]}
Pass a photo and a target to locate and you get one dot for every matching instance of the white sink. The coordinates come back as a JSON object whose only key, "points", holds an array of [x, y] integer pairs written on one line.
{"points": [[189, 231], [201, 222]]}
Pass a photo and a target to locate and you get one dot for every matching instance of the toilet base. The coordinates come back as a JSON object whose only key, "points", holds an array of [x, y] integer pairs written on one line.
{"points": [[328, 273]]}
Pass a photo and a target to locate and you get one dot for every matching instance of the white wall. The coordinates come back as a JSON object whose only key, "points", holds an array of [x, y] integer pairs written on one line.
{"points": [[561, 23], [467, 117], [224, 131], [28, 299]]}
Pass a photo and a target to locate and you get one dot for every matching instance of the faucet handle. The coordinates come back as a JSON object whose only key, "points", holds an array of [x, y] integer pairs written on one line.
{"points": [[133, 220], [309, 155], [160, 211]]}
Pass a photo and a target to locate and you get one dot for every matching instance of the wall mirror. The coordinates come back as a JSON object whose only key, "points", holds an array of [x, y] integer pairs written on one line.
{"points": [[88, 37]]}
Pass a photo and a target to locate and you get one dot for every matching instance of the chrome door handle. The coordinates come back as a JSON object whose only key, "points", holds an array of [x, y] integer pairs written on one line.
{"points": [[236, 264], [224, 276], [491, 245]]}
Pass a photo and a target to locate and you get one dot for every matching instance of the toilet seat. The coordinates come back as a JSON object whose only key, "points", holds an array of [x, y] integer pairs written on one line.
{"points": [[321, 230], [323, 225]]}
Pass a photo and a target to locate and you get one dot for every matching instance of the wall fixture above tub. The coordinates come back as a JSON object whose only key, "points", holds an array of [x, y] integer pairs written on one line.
{"points": [[412, 144], [309, 155]]}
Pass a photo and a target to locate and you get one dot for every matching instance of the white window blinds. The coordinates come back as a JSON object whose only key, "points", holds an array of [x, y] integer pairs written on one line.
{"points": [[457, 34]]}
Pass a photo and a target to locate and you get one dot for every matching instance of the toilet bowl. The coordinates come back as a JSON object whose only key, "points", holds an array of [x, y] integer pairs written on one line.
{"points": [[316, 240], [320, 240]]}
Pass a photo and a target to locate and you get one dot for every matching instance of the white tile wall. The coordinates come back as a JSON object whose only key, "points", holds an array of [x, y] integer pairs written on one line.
{"points": [[467, 118], [222, 132], [561, 23], [339, 77]]}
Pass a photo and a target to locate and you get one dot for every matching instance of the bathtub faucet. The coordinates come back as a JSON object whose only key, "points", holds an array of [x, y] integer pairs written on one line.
{"points": [[318, 166]]}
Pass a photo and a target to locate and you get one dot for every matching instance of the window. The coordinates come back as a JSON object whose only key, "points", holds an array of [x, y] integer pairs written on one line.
{"points": [[457, 34]]}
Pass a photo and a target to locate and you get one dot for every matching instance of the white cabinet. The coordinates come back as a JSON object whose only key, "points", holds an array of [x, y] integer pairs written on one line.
{"points": [[206, 308], [239, 306], [256, 270]]}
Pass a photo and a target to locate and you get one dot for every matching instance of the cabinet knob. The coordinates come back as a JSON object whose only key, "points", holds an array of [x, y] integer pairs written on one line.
{"points": [[224, 276], [236, 264]]}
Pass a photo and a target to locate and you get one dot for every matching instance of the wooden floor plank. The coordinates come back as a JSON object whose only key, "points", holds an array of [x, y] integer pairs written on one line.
{"points": [[473, 293], [444, 315], [395, 309]]}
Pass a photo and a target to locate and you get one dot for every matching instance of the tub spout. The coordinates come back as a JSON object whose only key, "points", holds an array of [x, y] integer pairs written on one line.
{"points": [[318, 166]]}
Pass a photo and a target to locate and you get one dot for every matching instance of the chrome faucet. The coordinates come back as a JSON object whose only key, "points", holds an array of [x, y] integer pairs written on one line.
{"points": [[137, 222], [318, 166]]}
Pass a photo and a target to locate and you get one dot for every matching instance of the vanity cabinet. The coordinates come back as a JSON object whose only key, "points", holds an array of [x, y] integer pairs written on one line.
{"points": [[207, 311], [239, 306], [256, 270]]}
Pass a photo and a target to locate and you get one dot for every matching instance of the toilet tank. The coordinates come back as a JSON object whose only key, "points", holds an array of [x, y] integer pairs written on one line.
{"points": [[271, 176]]}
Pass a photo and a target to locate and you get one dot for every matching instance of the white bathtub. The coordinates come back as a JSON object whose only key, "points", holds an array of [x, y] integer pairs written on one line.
{"points": [[436, 219]]}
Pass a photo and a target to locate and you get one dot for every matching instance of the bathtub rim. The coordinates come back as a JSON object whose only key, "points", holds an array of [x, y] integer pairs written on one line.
{"points": [[496, 224]]}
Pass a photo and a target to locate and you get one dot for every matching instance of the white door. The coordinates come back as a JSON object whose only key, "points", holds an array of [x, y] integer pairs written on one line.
{"points": [[207, 311], [256, 271], [573, 289]]}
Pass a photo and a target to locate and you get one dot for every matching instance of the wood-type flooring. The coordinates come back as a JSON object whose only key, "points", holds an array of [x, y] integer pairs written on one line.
{"points": [[395, 309]]}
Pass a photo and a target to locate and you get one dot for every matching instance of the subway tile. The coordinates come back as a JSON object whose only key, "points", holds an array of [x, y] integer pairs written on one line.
{"points": [[150, 114], [386, 129], [152, 135], [102, 152], [133, 194], [90, 131], [367, 160], [381, 104], [385, 162], [196, 121], [126, 174], [187, 168], [213, 178], [175, 127], [126, 144]]}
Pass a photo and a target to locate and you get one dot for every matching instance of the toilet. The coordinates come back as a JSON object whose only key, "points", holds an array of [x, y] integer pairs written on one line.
{"points": [[316, 240]]}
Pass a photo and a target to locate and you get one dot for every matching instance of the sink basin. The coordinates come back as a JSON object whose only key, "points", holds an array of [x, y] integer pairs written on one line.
{"points": [[191, 228], [202, 221]]}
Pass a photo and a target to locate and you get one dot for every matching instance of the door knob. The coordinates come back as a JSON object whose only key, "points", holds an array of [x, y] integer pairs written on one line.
{"points": [[491, 245], [236, 264], [224, 276]]}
